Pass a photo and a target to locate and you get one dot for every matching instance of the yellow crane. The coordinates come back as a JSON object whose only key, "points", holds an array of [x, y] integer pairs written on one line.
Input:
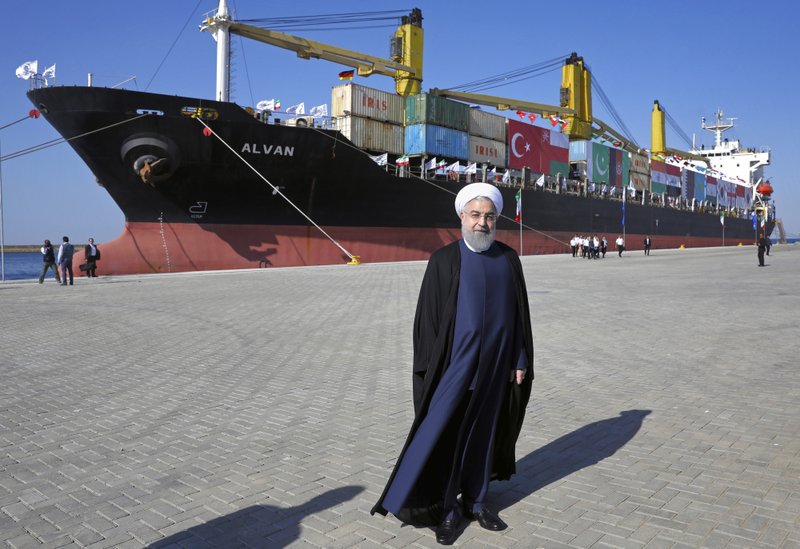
{"points": [[658, 141], [575, 105], [405, 65]]}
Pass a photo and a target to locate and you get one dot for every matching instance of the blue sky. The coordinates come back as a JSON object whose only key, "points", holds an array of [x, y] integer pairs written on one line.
{"points": [[694, 57]]}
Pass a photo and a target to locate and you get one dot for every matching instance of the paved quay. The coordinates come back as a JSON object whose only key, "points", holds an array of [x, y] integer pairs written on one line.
{"points": [[265, 408]]}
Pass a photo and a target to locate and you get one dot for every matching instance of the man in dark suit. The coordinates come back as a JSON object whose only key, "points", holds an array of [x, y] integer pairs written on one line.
{"points": [[647, 244], [762, 247], [92, 255]]}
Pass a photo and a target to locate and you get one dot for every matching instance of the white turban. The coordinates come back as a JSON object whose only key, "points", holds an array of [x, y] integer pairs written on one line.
{"points": [[473, 191]]}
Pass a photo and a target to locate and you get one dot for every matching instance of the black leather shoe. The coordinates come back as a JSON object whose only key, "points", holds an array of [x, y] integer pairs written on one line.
{"points": [[487, 519], [447, 531]]}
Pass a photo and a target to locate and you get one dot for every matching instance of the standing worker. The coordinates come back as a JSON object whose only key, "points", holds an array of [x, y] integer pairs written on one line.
{"points": [[473, 365], [762, 247], [48, 261], [65, 253]]}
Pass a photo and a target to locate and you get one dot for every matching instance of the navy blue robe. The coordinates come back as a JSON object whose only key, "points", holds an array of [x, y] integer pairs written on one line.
{"points": [[451, 450]]}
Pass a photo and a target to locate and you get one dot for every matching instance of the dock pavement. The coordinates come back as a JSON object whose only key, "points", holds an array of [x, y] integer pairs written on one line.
{"points": [[265, 408]]}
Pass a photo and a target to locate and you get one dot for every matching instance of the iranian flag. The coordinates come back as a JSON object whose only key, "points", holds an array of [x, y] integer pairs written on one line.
{"points": [[518, 196]]}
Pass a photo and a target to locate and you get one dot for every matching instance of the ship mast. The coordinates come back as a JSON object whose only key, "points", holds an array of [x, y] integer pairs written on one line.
{"points": [[718, 127], [219, 25]]}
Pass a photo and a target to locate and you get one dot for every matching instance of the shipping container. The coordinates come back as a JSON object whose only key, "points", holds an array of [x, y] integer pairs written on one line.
{"points": [[577, 150], [438, 111], [431, 140], [372, 135], [487, 151], [354, 100], [486, 124], [641, 181], [640, 164]]}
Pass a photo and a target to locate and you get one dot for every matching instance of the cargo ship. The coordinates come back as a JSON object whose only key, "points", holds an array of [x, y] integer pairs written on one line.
{"points": [[206, 184]]}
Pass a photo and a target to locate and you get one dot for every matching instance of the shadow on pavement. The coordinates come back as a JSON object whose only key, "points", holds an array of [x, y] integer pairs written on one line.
{"points": [[574, 451], [257, 525]]}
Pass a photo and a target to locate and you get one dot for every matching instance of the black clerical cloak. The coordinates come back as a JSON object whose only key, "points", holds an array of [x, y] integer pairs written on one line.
{"points": [[434, 325]]}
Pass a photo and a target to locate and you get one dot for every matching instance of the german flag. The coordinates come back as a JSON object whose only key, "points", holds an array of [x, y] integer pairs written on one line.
{"points": [[346, 75]]}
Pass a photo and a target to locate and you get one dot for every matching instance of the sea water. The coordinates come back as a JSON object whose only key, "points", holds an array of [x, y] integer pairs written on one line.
{"points": [[24, 266]]}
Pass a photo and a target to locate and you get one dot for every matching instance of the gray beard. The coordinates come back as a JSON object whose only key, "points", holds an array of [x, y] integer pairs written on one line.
{"points": [[478, 241]]}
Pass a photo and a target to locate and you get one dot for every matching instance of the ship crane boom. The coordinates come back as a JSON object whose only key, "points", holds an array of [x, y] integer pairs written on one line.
{"points": [[502, 103], [405, 66], [365, 64]]}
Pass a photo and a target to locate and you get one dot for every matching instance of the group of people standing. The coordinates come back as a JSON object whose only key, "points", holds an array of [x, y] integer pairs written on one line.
{"points": [[594, 248], [64, 260], [588, 247]]}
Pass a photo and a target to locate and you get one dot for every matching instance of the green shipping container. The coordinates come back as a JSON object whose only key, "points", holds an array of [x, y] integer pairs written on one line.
{"points": [[433, 109]]}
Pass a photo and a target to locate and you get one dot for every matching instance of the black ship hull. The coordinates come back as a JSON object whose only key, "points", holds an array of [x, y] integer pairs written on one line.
{"points": [[192, 203]]}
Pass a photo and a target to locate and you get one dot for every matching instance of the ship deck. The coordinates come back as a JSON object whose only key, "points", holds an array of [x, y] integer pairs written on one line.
{"points": [[265, 408]]}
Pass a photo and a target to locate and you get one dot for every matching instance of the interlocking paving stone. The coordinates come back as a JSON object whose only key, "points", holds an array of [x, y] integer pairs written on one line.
{"points": [[266, 408]]}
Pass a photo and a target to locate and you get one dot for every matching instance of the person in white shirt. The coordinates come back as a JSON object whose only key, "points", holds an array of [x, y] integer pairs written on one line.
{"points": [[620, 245], [65, 252]]}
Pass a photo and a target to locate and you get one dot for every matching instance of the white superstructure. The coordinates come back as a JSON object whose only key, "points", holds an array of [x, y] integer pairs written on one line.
{"points": [[728, 156]]}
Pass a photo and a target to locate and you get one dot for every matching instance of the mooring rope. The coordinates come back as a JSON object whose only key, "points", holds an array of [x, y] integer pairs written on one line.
{"points": [[46, 144], [277, 191]]}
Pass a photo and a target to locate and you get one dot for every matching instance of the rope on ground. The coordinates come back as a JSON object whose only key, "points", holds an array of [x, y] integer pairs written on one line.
{"points": [[276, 190]]}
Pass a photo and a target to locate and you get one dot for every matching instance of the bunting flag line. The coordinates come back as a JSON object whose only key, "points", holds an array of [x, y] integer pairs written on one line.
{"points": [[492, 175], [347, 75], [430, 164], [506, 176], [471, 168], [381, 159], [403, 161], [540, 181], [529, 115]]}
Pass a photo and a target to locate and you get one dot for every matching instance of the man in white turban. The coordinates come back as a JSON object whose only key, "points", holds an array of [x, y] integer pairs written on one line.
{"points": [[473, 366]]}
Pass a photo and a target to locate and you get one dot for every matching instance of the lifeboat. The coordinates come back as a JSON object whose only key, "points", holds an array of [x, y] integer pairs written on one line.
{"points": [[764, 188]]}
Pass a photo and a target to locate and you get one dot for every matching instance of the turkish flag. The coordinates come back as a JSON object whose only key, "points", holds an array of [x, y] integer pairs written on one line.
{"points": [[540, 149]]}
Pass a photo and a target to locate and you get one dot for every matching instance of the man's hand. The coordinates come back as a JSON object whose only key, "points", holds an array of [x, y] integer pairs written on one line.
{"points": [[519, 374]]}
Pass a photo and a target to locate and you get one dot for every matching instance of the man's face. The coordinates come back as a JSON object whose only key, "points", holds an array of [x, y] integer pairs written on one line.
{"points": [[479, 223]]}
